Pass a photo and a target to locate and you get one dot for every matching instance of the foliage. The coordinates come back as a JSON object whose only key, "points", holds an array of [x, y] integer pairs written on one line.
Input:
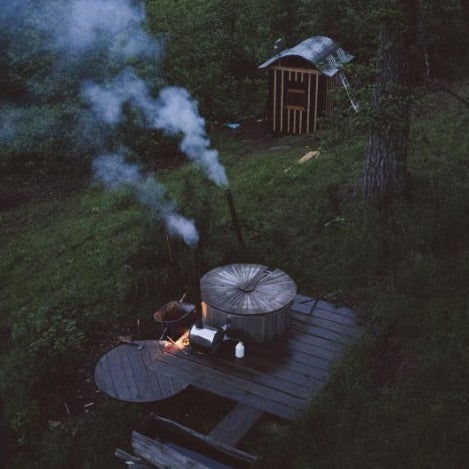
{"points": [[442, 26], [49, 346], [212, 48], [214, 51], [50, 337]]}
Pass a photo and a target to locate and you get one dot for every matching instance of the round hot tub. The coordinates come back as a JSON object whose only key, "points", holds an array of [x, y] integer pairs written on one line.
{"points": [[254, 298]]}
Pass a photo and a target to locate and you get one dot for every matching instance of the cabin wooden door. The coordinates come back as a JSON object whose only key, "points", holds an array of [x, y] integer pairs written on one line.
{"points": [[294, 94], [298, 98]]}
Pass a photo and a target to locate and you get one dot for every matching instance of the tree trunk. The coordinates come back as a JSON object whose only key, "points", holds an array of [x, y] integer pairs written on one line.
{"points": [[385, 175], [465, 10]]}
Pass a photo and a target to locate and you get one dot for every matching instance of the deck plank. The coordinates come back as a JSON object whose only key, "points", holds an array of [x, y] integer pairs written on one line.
{"points": [[278, 377], [334, 322], [235, 424], [120, 386], [237, 388], [306, 304], [275, 378], [131, 373], [122, 373], [314, 336]]}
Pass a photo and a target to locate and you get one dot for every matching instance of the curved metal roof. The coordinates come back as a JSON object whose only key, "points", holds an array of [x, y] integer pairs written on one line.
{"points": [[320, 51]]}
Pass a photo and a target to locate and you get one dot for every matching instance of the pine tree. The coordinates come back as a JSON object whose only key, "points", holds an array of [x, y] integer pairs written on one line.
{"points": [[385, 172]]}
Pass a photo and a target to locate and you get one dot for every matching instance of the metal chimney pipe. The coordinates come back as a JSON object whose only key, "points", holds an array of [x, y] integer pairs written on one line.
{"points": [[197, 275], [234, 219]]}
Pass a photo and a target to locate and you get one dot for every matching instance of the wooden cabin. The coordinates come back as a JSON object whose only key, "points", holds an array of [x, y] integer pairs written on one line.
{"points": [[300, 81]]}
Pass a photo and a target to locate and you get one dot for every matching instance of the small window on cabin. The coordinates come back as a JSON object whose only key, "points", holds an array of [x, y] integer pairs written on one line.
{"points": [[296, 99]]}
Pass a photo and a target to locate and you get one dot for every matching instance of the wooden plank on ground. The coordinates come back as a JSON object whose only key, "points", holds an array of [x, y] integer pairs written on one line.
{"points": [[122, 373], [314, 346], [131, 460], [113, 364], [299, 298], [315, 337], [236, 424], [293, 365], [168, 444], [342, 310], [274, 401], [304, 304], [162, 455], [327, 334], [131, 373], [316, 320], [308, 310], [283, 372]]}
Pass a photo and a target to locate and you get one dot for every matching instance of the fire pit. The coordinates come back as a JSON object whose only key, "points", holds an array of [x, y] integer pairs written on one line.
{"points": [[174, 316], [254, 298]]}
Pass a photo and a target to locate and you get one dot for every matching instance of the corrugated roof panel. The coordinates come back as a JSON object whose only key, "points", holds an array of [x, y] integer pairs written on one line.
{"points": [[320, 51]]}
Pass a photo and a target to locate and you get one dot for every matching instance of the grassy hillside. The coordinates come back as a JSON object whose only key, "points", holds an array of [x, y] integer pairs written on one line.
{"points": [[78, 270]]}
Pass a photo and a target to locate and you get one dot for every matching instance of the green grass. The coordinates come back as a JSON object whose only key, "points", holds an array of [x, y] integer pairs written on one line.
{"points": [[70, 250], [89, 264]]}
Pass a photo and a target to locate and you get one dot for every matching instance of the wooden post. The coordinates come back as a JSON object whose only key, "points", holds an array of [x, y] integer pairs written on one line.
{"points": [[274, 104], [281, 99], [234, 218], [316, 103], [308, 104]]}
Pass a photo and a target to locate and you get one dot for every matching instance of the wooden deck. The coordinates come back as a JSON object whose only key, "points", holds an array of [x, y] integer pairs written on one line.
{"points": [[123, 373], [279, 377]]}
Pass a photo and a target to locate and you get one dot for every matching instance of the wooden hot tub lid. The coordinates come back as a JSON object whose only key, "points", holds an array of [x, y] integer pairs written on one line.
{"points": [[247, 289]]}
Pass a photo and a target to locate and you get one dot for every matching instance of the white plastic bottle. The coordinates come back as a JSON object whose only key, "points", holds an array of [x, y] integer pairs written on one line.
{"points": [[239, 350]]}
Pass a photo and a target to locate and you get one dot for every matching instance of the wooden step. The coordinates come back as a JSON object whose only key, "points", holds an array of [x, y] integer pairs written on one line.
{"points": [[236, 424]]}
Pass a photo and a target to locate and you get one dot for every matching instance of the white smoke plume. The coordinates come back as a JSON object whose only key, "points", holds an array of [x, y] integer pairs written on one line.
{"points": [[74, 31], [107, 100], [80, 25], [174, 111], [177, 112], [184, 227], [12, 13], [113, 171]]}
